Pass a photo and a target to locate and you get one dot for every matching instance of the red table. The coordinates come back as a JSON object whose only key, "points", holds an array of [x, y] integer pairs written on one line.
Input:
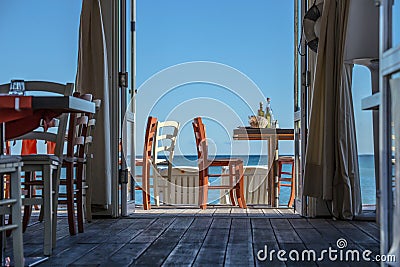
{"points": [[22, 114]]}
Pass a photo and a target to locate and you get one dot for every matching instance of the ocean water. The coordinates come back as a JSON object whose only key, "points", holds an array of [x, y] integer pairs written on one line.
{"points": [[366, 168]]}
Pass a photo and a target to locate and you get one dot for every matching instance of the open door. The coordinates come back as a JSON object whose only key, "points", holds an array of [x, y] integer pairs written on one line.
{"points": [[389, 129], [300, 103]]}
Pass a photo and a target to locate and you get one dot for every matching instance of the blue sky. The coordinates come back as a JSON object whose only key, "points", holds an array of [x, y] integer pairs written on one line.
{"points": [[255, 37]]}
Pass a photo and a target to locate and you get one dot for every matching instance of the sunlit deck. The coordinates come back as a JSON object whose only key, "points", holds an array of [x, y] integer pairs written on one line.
{"points": [[220, 235]]}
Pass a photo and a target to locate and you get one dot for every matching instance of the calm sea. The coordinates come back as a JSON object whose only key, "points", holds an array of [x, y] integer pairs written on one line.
{"points": [[366, 165]]}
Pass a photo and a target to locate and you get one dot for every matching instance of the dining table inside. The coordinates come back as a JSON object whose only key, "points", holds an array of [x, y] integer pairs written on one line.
{"points": [[20, 114], [272, 136]]}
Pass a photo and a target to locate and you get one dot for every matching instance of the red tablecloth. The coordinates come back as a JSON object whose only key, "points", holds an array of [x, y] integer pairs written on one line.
{"points": [[20, 117]]}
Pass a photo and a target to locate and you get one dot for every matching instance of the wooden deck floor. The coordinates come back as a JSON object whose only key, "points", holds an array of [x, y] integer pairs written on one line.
{"points": [[188, 237]]}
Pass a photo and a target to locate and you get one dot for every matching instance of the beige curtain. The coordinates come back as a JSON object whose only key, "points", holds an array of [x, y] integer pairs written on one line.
{"points": [[331, 171], [92, 77]]}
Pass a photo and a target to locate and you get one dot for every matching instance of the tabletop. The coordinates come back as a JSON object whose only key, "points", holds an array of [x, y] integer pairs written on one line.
{"points": [[22, 114], [249, 133]]}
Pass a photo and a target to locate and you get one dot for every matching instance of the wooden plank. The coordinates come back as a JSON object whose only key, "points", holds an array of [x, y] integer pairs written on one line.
{"points": [[157, 253], [214, 246], [271, 213], [254, 212], [300, 224], [152, 232], [183, 254], [96, 234], [69, 255], [98, 255], [264, 240], [287, 236], [265, 260], [239, 251], [369, 228], [207, 212], [197, 231], [134, 229], [223, 211], [279, 224], [260, 223], [238, 212]]}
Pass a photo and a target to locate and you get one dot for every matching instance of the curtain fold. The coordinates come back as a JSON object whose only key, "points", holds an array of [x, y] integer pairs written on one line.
{"points": [[92, 78], [331, 169]]}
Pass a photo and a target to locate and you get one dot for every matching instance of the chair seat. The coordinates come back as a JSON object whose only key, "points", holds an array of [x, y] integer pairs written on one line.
{"points": [[224, 161], [39, 157], [286, 159]]}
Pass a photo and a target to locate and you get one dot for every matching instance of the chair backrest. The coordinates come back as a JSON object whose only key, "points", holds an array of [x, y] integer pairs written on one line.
{"points": [[164, 143], [90, 127], [201, 143], [77, 131], [42, 86], [47, 87], [151, 130]]}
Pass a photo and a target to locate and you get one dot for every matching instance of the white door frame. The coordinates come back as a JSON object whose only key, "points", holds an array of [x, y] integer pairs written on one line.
{"points": [[389, 64]]}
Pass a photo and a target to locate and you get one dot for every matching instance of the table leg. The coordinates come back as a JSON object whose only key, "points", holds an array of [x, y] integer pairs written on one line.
{"points": [[271, 175], [276, 177]]}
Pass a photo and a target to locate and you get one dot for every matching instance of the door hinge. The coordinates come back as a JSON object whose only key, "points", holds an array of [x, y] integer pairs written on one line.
{"points": [[123, 79], [133, 26], [123, 176], [306, 78]]}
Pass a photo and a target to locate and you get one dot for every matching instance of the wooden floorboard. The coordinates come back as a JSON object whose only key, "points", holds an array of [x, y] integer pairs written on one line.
{"points": [[217, 236]]}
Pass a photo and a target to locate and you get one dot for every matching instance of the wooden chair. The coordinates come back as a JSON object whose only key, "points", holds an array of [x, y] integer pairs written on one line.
{"points": [[146, 161], [12, 165], [87, 163], [74, 162], [48, 165], [287, 181], [255, 185], [235, 167], [164, 144], [182, 186]]}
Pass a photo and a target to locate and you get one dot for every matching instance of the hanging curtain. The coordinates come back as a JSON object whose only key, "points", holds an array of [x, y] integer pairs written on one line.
{"points": [[92, 78], [331, 170]]}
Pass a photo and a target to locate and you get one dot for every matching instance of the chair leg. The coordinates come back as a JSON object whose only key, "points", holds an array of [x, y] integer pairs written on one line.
{"points": [[156, 188], [88, 198], [79, 196], [48, 207], [292, 188], [232, 184], [15, 193], [146, 188], [70, 198], [232, 197], [56, 185], [279, 176], [27, 208], [203, 189], [240, 188]]}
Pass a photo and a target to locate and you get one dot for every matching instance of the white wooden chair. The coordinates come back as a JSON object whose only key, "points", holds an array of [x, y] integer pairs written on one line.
{"points": [[48, 165], [12, 206], [182, 188], [164, 145], [255, 186]]}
